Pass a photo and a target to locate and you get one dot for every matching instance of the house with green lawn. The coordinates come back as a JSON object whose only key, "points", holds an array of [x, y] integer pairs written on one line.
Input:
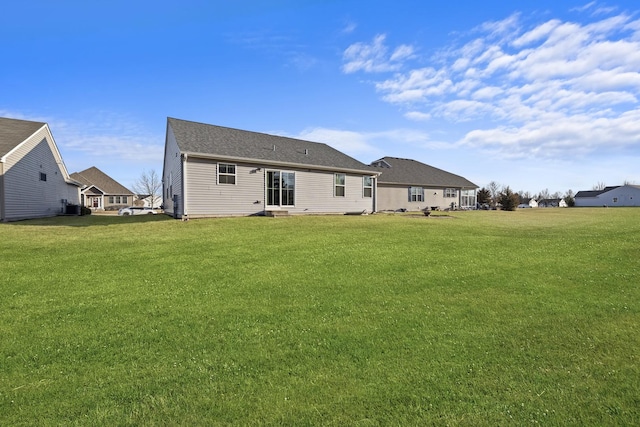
{"points": [[34, 181], [214, 171], [406, 184], [100, 192], [621, 195]]}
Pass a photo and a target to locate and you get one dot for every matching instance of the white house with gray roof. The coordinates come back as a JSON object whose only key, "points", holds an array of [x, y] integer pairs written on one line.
{"points": [[218, 171], [406, 184], [34, 181], [622, 195]]}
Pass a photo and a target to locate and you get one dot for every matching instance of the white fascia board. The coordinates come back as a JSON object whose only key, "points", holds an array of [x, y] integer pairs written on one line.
{"points": [[274, 163]]}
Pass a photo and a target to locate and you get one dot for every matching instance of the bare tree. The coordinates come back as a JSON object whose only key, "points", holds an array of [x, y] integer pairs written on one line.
{"points": [[149, 185], [494, 190], [544, 194], [599, 186]]}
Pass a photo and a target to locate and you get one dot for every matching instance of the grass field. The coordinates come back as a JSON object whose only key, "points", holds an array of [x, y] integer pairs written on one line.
{"points": [[479, 318]]}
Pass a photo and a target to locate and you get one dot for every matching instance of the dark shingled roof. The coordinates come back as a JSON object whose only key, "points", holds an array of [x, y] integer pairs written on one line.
{"points": [[209, 140], [94, 176], [411, 172], [594, 193], [14, 131]]}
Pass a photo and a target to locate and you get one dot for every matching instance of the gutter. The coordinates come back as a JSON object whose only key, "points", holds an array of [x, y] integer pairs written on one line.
{"points": [[276, 163]]}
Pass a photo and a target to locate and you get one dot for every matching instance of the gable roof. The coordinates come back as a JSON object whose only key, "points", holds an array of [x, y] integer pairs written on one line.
{"points": [[13, 132], [96, 178], [205, 140], [412, 172]]}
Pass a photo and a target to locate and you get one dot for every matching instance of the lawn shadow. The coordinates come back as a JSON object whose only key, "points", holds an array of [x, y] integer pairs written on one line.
{"points": [[90, 220]]}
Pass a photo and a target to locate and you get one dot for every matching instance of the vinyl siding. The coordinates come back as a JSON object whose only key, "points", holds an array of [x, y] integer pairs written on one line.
{"points": [[394, 197], [623, 196], [172, 175], [313, 191], [26, 196]]}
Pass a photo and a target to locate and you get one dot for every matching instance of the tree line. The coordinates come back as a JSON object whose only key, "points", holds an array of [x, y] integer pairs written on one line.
{"points": [[495, 195]]}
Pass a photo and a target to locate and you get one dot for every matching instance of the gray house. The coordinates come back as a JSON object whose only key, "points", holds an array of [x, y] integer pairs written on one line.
{"points": [[101, 192], [33, 179], [412, 185], [622, 195], [217, 171]]}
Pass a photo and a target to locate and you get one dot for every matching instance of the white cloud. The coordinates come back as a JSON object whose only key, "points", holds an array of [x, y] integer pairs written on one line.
{"points": [[374, 57], [349, 142], [359, 144], [556, 88], [417, 116]]}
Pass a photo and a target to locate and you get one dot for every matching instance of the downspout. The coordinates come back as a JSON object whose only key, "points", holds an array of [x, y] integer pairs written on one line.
{"points": [[2, 209], [375, 194], [184, 187]]}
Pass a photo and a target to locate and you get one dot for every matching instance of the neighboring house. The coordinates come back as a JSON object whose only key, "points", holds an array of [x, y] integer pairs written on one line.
{"points": [[217, 171], [623, 195], [528, 203], [33, 179], [101, 192], [552, 203], [149, 201], [406, 184]]}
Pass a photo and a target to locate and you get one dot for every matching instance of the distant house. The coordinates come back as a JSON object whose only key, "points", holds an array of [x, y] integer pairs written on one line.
{"points": [[528, 203], [411, 185], [33, 179], [101, 192], [217, 171], [149, 201], [552, 203], [622, 195]]}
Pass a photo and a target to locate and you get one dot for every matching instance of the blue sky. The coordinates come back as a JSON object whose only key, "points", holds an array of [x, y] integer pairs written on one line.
{"points": [[531, 94]]}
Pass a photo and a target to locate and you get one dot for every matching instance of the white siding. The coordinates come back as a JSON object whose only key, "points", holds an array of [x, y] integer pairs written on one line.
{"points": [[172, 175], [625, 195], [26, 196], [313, 191]]}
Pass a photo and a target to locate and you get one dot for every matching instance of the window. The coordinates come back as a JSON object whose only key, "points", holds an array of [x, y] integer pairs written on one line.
{"points": [[367, 186], [118, 199], [468, 199], [416, 194], [615, 200], [43, 176], [450, 192], [226, 173], [281, 188], [124, 199], [111, 199], [339, 185]]}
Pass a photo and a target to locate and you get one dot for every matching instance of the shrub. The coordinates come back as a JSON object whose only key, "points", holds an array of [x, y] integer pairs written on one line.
{"points": [[508, 199]]}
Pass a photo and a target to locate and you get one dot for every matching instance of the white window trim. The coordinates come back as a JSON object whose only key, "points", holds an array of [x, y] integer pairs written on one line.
{"points": [[450, 193], [234, 174], [364, 187], [336, 185], [295, 188]]}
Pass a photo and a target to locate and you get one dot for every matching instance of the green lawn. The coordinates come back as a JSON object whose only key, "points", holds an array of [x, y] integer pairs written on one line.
{"points": [[477, 318]]}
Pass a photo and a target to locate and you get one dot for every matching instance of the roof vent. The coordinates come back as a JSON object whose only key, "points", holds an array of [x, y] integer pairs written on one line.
{"points": [[306, 151], [274, 147]]}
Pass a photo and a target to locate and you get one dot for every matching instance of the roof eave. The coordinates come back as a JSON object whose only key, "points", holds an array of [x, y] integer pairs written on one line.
{"points": [[277, 163], [462, 187]]}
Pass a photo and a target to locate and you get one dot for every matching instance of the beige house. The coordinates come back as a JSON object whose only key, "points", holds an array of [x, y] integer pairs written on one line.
{"points": [[406, 184], [101, 192], [34, 181], [217, 171]]}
